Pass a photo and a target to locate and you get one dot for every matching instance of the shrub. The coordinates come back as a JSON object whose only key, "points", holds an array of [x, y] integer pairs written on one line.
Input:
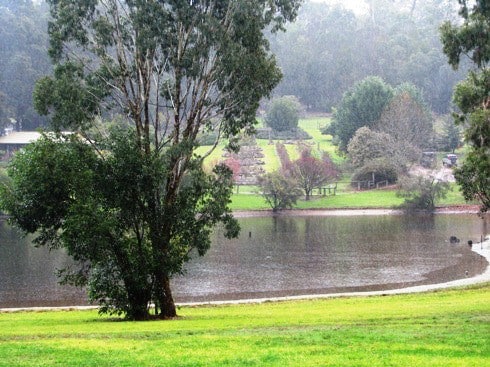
{"points": [[279, 191], [283, 114], [374, 172], [421, 193], [293, 134]]}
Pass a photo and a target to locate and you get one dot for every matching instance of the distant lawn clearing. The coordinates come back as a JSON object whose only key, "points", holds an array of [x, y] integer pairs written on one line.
{"points": [[446, 328], [245, 200]]}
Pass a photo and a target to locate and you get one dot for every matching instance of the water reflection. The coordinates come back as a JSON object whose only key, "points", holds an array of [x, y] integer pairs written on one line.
{"points": [[27, 273], [279, 255], [301, 255]]}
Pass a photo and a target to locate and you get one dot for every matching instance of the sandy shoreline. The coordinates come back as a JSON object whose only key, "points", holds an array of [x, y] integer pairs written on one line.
{"points": [[459, 209]]}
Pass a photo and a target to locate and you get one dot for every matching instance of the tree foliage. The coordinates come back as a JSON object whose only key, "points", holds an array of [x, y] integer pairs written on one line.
{"points": [[280, 191], [99, 209], [367, 145], [23, 59], [331, 47], [283, 113], [450, 136], [172, 69], [311, 172], [407, 121], [421, 193], [472, 96], [360, 106]]}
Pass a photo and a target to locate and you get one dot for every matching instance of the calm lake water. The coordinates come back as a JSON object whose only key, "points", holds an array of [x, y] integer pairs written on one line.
{"points": [[279, 255]]}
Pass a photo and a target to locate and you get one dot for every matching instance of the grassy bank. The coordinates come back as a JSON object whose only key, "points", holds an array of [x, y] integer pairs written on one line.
{"points": [[345, 198], [447, 328]]}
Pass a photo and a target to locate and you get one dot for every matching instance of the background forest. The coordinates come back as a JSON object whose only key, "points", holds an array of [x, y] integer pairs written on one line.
{"points": [[324, 53], [330, 48]]}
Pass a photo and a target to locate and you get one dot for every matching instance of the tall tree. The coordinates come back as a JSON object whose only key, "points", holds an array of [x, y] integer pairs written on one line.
{"points": [[450, 136], [318, 60], [361, 106], [311, 172], [3, 112], [173, 69], [408, 121], [472, 96]]}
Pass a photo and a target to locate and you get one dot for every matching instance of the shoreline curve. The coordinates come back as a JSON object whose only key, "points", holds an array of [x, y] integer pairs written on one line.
{"points": [[481, 248]]}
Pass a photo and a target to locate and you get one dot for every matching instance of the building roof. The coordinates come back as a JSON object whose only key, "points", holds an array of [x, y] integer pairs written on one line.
{"points": [[20, 138]]}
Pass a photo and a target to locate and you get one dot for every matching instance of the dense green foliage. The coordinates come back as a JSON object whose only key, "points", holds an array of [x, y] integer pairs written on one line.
{"points": [[322, 55], [168, 70], [360, 106], [382, 129], [100, 211], [448, 328], [472, 96], [283, 114]]}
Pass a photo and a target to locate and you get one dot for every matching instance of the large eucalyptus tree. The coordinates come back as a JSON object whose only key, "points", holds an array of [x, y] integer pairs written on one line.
{"points": [[131, 207], [471, 38]]}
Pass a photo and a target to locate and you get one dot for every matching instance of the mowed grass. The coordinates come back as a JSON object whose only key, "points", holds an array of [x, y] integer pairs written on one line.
{"points": [[446, 328], [349, 199], [345, 197]]}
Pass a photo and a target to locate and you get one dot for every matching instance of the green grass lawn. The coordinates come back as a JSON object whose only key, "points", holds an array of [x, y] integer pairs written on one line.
{"points": [[246, 199], [361, 199], [446, 328]]}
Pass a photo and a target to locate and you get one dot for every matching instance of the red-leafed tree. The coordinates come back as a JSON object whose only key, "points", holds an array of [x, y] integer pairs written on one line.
{"points": [[311, 172], [234, 165]]}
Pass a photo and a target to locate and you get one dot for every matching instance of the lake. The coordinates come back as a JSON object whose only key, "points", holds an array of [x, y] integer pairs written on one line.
{"points": [[278, 256]]}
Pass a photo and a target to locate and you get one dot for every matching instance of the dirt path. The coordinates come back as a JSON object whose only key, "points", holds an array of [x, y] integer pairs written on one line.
{"points": [[444, 174]]}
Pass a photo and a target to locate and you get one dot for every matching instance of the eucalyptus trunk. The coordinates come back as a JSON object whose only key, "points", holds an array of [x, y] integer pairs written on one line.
{"points": [[166, 71]]}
